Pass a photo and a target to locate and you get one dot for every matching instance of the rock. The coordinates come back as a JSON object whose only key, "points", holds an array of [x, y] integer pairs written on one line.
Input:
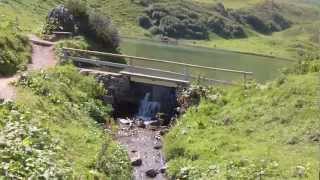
{"points": [[157, 146], [151, 173], [315, 137], [64, 19], [227, 121], [125, 121], [140, 124], [136, 162], [163, 170], [155, 123], [163, 132], [2, 142]]}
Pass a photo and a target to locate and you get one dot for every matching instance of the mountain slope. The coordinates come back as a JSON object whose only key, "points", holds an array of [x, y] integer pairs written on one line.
{"points": [[125, 13]]}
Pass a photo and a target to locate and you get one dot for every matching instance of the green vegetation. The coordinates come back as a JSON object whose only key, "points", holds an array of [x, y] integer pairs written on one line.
{"points": [[15, 49], [53, 129], [266, 131], [303, 15], [78, 18]]}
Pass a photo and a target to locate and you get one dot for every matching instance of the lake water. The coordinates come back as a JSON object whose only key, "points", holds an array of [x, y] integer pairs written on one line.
{"points": [[264, 68]]}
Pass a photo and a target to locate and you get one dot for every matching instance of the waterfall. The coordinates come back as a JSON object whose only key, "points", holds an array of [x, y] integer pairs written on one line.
{"points": [[148, 109]]}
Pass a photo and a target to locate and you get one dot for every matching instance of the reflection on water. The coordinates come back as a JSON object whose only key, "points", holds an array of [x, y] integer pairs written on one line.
{"points": [[264, 68]]}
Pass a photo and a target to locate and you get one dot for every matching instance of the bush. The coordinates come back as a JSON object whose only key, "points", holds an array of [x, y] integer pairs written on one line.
{"points": [[79, 10], [95, 26], [257, 24], [114, 162], [187, 28], [155, 30], [103, 31], [15, 53], [51, 131], [144, 21]]}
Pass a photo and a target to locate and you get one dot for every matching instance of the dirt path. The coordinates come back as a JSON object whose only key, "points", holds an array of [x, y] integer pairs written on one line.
{"points": [[144, 144], [42, 58]]}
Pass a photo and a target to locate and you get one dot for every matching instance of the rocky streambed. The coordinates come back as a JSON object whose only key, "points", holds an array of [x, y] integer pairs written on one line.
{"points": [[143, 143]]}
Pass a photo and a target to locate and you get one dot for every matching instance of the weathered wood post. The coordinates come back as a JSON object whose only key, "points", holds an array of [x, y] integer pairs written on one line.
{"points": [[130, 63], [186, 73], [245, 80], [64, 55]]}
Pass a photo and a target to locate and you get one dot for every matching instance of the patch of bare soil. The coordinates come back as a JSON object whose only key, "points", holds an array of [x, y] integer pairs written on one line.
{"points": [[42, 58], [145, 151]]}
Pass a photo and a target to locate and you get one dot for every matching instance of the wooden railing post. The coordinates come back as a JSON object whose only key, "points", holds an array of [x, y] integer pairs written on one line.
{"points": [[244, 80], [64, 55], [130, 63], [186, 73]]}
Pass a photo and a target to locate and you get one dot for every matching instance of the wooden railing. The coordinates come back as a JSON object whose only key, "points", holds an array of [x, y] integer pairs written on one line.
{"points": [[130, 67]]}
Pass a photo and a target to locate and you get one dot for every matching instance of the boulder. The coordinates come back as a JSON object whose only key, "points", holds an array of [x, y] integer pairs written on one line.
{"points": [[151, 173], [136, 162], [157, 146], [163, 169], [61, 19]]}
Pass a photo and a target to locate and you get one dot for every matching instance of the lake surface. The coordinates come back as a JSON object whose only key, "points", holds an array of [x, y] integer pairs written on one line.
{"points": [[264, 68]]}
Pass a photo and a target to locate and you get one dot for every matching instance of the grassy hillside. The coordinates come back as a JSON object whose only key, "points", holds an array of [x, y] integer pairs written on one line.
{"points": [[52, 130], [124, 14], [263, 132]]}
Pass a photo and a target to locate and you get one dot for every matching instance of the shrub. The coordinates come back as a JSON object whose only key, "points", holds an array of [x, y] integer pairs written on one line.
{"points": [[113, 161], [15, 53], [173, 27], [155, 30], [257, 24], [79, 10], [144, 21], [102, 31]]}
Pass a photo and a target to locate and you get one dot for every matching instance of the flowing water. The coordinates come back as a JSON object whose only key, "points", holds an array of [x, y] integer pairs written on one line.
{"points": [[148, 109], [264, 68]]}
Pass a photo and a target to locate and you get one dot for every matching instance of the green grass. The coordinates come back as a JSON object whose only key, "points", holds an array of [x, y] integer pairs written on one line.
{"points": [[265, 131], [124, 14], [64, 104], [292, 43]]}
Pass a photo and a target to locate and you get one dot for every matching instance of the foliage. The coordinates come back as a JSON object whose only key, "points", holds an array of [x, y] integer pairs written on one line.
{"points": [[111, 162], [53, 129], [26, 150], [15, 49], [243, 133], [102, 31]]}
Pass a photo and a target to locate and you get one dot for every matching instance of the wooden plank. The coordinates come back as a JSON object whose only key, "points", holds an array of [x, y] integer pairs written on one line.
{"points": [[158, 60]]}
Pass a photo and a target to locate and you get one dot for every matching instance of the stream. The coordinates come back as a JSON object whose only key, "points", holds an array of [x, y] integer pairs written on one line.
{"points": [[141, 134]]}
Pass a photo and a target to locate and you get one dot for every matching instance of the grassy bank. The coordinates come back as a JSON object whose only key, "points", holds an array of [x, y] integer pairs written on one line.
{"points": [[53, 129], [265, 131]]}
